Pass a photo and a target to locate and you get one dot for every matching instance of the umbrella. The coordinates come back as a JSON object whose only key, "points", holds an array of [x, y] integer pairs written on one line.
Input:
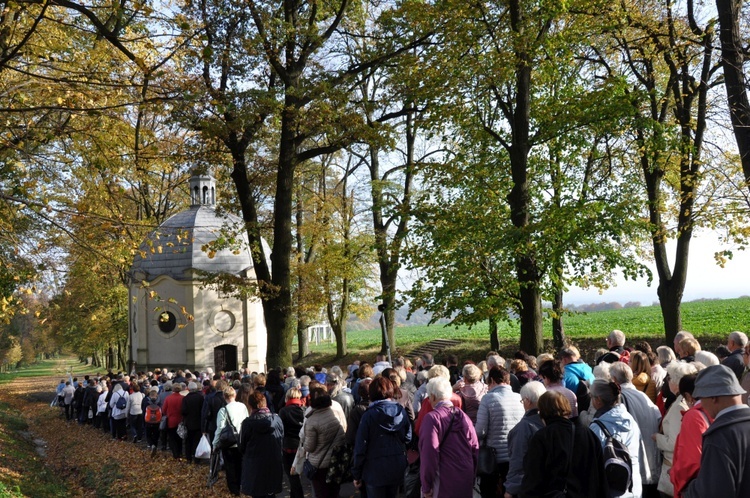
{"points": [[213, 468]]}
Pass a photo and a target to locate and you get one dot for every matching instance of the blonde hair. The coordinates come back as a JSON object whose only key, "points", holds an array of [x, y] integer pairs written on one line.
{"points": [[471, 373], [690, 346], [293, 393], [438, 371]]}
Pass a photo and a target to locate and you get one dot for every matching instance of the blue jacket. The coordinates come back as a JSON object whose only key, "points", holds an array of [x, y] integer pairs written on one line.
{"points": [[518, 443], [575, 372], [380, 446]]}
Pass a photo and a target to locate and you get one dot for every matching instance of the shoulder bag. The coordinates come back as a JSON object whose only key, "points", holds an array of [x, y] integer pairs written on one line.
{"points": [[228, 436]]}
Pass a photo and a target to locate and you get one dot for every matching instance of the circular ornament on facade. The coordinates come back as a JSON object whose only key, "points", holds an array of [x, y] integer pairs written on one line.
{"points": [[167, 322], [222, 321]]}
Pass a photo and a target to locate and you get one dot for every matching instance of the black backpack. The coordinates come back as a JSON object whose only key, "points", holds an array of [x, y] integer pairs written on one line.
{"points": [[618, 467], [583, 395]]}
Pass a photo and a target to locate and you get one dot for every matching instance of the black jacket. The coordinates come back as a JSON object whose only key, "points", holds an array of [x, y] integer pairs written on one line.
{"points": [[346, 401], [545, 465], [260, 445], [192, 407], [213, 402], [292, 416]]}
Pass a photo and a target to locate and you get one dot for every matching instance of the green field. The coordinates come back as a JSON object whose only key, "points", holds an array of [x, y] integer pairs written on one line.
{"points": [[710, 321]]}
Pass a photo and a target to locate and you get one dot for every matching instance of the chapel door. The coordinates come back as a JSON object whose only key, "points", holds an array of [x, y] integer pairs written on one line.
{"points": [[225, 358]]}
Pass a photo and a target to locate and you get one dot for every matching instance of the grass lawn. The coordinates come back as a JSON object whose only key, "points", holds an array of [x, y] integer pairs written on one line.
{"points": [[711, 322]]}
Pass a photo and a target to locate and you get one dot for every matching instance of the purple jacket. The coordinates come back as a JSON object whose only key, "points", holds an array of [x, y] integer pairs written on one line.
{"points": [[452, 456]]}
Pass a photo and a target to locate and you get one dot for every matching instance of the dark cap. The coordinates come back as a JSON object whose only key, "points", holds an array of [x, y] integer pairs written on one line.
{"points": [[717, 380]]}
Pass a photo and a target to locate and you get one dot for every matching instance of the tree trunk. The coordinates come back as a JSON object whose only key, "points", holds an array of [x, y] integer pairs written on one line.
{"points": [[305, 257], [732, 61], [532, 322], [339, 331], [274, 287], [303, 345], [558, 333], [527, 270], [494, 340], [337, 318], [670, 301]]}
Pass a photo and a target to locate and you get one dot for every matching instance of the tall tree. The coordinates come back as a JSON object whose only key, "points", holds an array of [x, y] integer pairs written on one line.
{"points": [[261, 59], [733, 56], [670, 63]]}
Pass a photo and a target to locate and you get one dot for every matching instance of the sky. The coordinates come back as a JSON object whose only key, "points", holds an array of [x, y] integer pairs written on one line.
{"points": [[705, 278]]}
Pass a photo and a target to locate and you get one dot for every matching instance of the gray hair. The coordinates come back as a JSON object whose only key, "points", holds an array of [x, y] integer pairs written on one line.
{"points": [[440, 388], [665, 355], [532, 391], [601, 371], [739, 338], [608, 394], [621, 372], [679, 369], [616, 338], [707, 358], [192, 387], [495, 360], [682, 334]]}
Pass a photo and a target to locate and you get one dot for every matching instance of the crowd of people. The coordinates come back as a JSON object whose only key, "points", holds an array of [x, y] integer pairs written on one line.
{"points": [[639, 423]]}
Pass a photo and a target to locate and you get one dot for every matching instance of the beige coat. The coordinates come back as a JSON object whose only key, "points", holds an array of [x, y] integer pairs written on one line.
{"points": [[324, 430]]}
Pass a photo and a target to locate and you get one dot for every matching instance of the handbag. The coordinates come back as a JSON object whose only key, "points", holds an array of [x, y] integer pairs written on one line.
{"points": [[182, 430], [163, 423], [486, 463], [308, 469], [340, 469], [228, 436]]}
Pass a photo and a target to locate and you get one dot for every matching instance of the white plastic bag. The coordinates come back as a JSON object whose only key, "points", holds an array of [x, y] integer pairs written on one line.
{"points": [[204, 448]]}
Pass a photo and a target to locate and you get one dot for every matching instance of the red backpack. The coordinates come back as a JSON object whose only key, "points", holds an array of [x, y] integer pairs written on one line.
{"points": [[625, 357], [153, 414]]}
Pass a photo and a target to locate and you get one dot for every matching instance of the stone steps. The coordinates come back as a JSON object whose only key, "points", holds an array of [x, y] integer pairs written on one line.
{"points": [[433, 347]]}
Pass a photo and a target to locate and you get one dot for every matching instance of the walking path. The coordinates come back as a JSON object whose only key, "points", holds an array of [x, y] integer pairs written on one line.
{"points": [[96, 466]]}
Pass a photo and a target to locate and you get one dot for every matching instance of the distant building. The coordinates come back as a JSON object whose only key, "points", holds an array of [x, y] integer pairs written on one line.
{"points": [[174, 321]]}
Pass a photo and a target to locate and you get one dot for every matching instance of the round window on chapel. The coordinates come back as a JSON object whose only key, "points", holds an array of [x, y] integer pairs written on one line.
{"points": [[167, 321]]}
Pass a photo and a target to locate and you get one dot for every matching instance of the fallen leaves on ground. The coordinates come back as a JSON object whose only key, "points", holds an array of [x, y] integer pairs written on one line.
{"points": [[92, 463]]}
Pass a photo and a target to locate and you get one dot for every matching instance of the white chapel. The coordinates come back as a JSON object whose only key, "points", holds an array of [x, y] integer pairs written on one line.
{"points": [[176, 321]]}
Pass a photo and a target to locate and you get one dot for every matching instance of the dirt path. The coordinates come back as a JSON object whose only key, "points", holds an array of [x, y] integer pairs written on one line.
{"points": [[92, 464]]}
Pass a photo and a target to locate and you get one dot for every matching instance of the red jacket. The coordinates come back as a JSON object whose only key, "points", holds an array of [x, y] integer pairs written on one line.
{"points": [[688, 448], [427, 408], [172, 409]]}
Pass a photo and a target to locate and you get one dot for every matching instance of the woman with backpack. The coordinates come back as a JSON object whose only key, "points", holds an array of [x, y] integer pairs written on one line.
{"points": [[118, 403], [562, 457], [152, 416], [612, 419]]}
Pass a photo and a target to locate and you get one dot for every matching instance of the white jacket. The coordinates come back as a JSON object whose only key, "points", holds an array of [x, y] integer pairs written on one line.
{"points": [[648, 418], [101, 403], [135, 404], [118, 393], [237, 413]]}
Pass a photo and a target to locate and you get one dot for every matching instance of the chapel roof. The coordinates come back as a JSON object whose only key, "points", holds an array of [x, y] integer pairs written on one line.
{"points": [[175, 248]]}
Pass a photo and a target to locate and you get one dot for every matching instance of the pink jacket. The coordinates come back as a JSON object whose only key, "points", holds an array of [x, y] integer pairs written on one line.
{"points": [[688, 448]]}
